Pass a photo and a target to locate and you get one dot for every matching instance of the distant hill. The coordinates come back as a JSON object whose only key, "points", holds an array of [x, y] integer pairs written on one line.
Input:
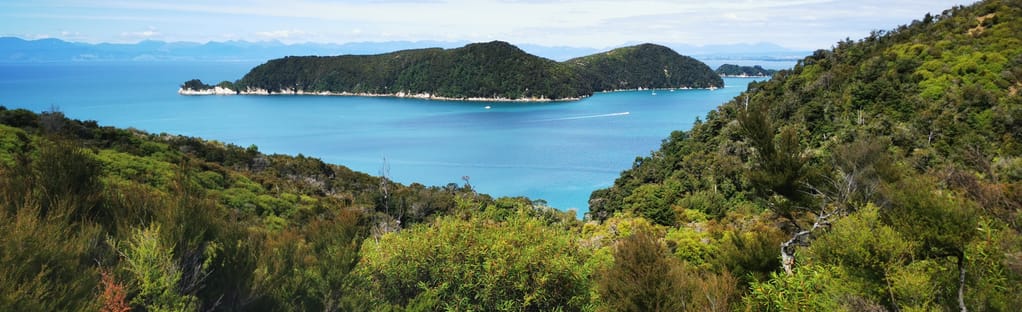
{"points": [[643, 66], [492, 70], [732, 70]]}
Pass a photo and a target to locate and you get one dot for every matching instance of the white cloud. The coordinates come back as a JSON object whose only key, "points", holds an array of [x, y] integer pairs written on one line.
{"points": [[596, 23], [140, 35], [280, 34]]}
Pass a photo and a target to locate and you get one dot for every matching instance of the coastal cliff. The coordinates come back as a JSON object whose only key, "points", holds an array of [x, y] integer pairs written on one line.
{"points": [[211, 91], [422, 96], [492, 71]]}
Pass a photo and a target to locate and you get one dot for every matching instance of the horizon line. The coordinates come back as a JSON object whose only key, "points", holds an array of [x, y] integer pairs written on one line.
{"points": [[277, 41]]}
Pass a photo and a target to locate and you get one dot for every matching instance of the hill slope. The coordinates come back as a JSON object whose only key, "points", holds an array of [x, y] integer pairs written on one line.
{"points": [[103, 217], [643, 66], [914, 133], [493, 70]]}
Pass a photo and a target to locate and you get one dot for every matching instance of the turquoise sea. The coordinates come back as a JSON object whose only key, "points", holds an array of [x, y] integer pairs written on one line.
{"points": [[559, 152]]}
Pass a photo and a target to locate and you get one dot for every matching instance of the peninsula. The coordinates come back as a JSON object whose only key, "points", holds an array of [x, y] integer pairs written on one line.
{"points": [[732, 70], [491, 71]]}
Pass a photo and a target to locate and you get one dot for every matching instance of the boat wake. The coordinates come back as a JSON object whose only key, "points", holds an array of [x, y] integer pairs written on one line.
{"points": [[585, 117]]}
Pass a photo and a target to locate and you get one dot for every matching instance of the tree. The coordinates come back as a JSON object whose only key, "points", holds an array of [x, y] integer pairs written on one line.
{"points": [[68, 175], [154, 272], [308, 268], [654, 202], [870, 255], [479, 264], [943, 225], [195, 84], [645, 277], [779, 174]]}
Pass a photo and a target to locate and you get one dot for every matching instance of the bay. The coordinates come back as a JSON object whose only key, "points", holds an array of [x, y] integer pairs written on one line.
{"points": [[559, 152]]}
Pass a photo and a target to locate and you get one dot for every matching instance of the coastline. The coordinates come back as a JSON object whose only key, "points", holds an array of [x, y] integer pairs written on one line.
{"points": [[213, 91], [658, 89], [420, 96], [744, 76]]}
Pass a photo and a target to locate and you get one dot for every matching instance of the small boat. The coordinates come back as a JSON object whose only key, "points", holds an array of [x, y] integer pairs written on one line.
{"points": [[487, 107], [654, 92]]}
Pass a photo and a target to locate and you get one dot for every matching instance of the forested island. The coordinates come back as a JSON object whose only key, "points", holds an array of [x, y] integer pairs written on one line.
{"points": [[732, 70], [492, 71], [884, 174]]}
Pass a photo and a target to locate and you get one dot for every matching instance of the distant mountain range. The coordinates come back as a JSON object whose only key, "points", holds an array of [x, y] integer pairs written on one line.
{"points": [[14, 49]]}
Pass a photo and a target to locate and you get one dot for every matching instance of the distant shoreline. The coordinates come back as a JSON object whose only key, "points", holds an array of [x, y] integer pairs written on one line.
{"points": [[420, 96], [745, 76]]}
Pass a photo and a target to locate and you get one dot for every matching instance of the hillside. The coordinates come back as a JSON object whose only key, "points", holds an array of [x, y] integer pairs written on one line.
{"points": [[97, 217], [494, 70], [911, 135], [647, 66]]}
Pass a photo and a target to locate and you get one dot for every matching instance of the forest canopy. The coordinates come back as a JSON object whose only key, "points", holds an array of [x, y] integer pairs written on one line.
{"points": [[732, 70]]}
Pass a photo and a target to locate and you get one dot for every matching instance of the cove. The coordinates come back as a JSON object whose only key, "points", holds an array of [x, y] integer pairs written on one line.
{"points": [[559, 152]]}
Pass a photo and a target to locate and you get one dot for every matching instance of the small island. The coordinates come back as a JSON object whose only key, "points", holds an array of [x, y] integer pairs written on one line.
{"points": [[491, 71], [732, 70]]}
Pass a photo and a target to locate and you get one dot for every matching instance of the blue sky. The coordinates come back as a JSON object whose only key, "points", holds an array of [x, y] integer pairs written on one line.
{"points": [[796, 24]]}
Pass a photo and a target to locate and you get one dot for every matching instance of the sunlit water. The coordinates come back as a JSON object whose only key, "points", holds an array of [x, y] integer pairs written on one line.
{"points": [[559, 152]]}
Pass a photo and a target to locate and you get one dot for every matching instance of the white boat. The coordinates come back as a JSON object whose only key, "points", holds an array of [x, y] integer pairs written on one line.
{"points": [[487, 107]]}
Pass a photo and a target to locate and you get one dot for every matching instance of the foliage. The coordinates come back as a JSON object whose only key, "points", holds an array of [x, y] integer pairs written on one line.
{"points": [[65, 190], [900, 152], [151, 265], [114, 295], [882, 158], [802, 291], [732, 70], [44, 256], [654, 202], [647, 66], [196, 85], [309, 268], [645, 277], [869, 255], [479, 264]]}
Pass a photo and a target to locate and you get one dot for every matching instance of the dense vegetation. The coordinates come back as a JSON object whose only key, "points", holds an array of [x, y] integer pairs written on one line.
{"points": [[480, 70], [728, 70], [647, 66], [889, 165], [98, 217], [883, 174], [195, 84]]}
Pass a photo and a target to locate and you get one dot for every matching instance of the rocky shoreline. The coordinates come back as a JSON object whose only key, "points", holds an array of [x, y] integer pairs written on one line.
{"points": [[745, 76], [421, 96]]}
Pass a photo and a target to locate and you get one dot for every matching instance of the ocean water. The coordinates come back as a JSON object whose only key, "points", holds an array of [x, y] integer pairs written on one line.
{"points": [[559, 152]]}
